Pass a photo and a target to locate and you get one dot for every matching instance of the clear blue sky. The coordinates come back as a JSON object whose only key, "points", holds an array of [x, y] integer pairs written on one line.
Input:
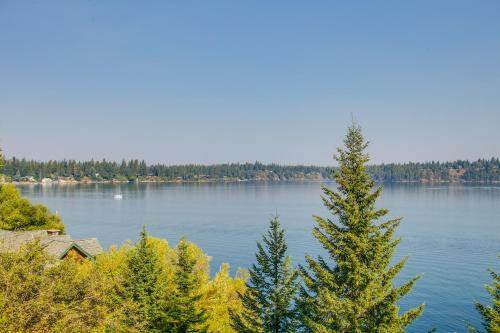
{"points": [[224, 81]]}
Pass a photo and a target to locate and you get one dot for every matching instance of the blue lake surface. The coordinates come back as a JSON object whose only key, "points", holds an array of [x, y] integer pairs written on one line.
{"points": [[450, 232]]}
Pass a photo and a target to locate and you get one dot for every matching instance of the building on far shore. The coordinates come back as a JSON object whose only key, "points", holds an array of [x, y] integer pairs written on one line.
{"points": [[57, 245], [46, 180]]}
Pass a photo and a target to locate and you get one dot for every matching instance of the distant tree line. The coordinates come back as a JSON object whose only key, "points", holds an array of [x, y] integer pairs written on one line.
{"points": [[482, 170], [107, 170]]}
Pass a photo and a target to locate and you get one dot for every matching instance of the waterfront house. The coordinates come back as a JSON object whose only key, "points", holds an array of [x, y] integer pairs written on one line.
{"points": [[27, 179], [57, 245], [46, 180]]}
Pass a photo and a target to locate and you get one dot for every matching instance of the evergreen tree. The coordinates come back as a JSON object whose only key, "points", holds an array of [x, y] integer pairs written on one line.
{"points": [[491, 314], [271, 291], [185, 315], [353, 291], [143, 284]]}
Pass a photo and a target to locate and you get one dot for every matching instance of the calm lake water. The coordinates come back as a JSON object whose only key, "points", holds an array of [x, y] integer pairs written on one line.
{"points": [[451, 233]]}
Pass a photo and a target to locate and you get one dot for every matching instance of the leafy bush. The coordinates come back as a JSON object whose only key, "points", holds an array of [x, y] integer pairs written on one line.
{"points": [[18, 213]]}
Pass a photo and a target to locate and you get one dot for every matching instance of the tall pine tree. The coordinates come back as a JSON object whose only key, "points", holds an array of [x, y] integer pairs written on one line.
{"points": [[185, 315], [352, 290], [269, 299], [142, 284]]}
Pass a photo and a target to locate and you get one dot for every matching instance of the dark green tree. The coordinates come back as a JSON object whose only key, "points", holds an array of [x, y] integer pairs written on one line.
{"points": [[352, 290], [490, 313], [142, 284], [184, 315], [271, 291]]}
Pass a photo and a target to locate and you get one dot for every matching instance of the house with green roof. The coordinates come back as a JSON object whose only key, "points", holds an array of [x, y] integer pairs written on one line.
{"points": [[57, 245]]}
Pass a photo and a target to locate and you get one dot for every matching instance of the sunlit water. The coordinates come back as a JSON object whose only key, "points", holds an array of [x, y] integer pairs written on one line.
{"points": [[451, 233]]}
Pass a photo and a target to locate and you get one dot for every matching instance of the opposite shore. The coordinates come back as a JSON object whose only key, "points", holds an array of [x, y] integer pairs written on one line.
{"points": [[222, 180], [71, 171]]}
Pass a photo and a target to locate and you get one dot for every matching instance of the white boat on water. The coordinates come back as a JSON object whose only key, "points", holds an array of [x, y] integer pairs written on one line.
{"points": [[118, 196]]}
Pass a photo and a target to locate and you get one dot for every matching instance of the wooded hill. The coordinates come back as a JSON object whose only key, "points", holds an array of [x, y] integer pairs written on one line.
{"points": [[482, 170]]}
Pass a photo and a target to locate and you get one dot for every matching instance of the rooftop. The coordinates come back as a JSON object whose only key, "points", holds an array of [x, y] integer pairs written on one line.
{"points": [[56, 245]]}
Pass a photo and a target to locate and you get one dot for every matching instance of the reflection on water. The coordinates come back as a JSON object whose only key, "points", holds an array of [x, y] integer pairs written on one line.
{"points": [[452, 233]]}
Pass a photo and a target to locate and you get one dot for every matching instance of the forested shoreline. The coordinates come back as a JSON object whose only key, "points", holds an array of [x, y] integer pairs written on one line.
{"points": [[22, 170]]}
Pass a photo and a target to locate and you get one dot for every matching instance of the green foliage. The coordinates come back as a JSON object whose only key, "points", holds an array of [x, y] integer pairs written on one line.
{"points": [[146, 287], [221, 299], [23, 285], [17, 213], [38, 296], [123, 312], [490, 313], [272, 288], [185, 314], [78, 296], [142, 284], [353, 291]]}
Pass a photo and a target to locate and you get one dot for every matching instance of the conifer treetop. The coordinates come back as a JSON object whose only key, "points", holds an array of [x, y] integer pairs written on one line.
{"points": [[352, 289]]}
